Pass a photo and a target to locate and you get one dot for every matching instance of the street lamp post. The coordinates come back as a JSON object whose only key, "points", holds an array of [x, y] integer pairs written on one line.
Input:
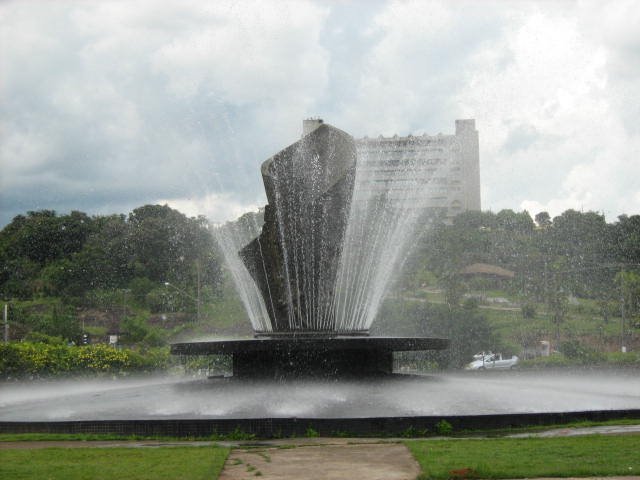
{"points": [[197, 300], [6, 323]]}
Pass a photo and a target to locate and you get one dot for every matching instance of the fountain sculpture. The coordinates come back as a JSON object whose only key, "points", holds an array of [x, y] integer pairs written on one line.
{"points": [[295, 266]]}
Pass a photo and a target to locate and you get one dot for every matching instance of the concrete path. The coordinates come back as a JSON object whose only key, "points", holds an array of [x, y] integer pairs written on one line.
{"points": [[371, 461]]}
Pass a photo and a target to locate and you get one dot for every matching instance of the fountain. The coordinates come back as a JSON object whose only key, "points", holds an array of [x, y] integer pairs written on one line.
{"points": [[314, 276]]}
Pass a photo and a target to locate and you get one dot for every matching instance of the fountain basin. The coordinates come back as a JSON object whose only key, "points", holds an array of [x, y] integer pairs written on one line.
{"points": [[311, 353]]}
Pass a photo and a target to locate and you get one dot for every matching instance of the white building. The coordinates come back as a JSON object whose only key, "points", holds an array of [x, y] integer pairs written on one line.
{"points": [[445, 167], [441, 171]]}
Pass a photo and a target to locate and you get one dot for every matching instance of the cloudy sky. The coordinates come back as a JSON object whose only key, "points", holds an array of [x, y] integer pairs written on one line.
{"points": [[109, 105]]}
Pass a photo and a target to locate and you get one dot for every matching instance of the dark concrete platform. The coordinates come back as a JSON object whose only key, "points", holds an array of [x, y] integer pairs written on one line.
{"points": [[311, 354], [287, 427]]}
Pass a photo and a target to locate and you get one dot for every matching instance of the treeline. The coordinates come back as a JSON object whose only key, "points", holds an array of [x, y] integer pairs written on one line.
{"points": [[78, 257], [52, 266], [115, 270], [576, 253]]}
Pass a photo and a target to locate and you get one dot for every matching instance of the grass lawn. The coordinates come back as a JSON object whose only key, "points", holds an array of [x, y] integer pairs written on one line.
{"points": [[594, 455], [193, 463], [83, 437]]}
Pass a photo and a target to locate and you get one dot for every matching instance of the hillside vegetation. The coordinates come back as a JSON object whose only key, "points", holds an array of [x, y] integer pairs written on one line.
{"points": [[156, 275]]}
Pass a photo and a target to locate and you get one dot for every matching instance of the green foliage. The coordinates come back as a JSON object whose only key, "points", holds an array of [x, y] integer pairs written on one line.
{"points": [[57, 262], [164, 299], [413, 432], [37, 337], [108, 463], [578, 352], [454, 290], [528, 311], [581, 356], [629, 285], [140, 288], [543, 219], [443, 427], [49, 317], [42, 359], [239, 434], [155, 337], [310, 432], [468, 330], [133, 329], [558, 305], [471, 303], [103, 299], [628, 359], [586, 456], [44, 253], [578, 251]]}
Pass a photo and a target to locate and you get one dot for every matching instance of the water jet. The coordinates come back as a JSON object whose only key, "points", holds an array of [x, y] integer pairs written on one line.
{"points": [[306, 279]]}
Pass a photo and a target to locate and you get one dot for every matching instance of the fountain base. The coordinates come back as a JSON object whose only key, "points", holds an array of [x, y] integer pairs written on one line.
{"points": [[311, 355]]}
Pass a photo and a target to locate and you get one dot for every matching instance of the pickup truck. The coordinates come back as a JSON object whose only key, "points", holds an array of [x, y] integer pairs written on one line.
{"points": [[492, 361]]}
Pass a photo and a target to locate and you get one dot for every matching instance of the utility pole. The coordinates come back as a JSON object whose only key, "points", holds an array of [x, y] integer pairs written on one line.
{"points": [[544, 276], [622, 345], [6, 323], [198, 291]]}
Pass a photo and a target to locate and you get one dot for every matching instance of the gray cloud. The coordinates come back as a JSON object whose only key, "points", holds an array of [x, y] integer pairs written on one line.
{"points": [[109, 105]]}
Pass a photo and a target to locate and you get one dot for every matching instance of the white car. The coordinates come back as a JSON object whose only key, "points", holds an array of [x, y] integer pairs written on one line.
{"points": [[492, 361]]}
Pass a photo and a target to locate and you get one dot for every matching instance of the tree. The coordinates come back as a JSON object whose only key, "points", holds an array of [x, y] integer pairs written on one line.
{"points": [[543, 219], [629, 285], [557, 301], [582, 240], [515, 222], [43, 236], [624, 239]]}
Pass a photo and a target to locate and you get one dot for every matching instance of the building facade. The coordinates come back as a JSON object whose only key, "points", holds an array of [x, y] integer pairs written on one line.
{"points": [[440, 172]]}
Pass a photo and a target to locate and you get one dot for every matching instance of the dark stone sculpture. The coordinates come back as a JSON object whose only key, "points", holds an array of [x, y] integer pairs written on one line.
{"points": [[294, 263], [295, 259]]}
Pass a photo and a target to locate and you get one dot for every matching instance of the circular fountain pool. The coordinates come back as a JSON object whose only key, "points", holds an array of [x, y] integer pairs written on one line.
{"points": [[459, 393]]}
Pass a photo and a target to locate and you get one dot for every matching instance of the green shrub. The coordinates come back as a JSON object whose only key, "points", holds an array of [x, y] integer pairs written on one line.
{"points": [[443, 427], [528, 311], [311, 432], [471, 303], [554, 360], [104, 299], [574, 350], [134, 329], [413, 432], [37, 337], [238, 434], [140, 287], [42, 359], [624, 359], [155, 337]]}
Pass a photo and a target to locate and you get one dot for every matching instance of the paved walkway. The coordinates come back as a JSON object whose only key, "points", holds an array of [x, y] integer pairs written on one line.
{"points": [[323, 462]]}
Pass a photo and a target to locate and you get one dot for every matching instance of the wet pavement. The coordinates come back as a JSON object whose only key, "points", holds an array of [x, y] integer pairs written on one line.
{"points": [[326, 462], [457, 393]]}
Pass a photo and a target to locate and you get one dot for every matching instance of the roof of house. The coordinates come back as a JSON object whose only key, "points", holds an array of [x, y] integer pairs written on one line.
{"points": [[486, 269]]}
